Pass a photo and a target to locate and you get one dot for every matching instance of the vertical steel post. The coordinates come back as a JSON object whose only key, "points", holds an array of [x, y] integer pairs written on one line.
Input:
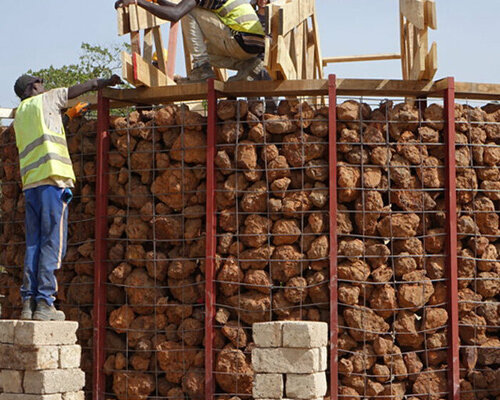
{"points": [[332, 160], [101, 229], [451, 245], [211, 230]]}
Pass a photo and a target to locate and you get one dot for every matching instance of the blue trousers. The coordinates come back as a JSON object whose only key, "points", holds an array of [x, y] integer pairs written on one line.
{"points": [[46, 236]]}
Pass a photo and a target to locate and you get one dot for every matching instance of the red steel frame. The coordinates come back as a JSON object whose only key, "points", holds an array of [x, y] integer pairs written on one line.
{"points": [[332, 160], [211, 230], [101, 231], [99, 317], [451, 237]]}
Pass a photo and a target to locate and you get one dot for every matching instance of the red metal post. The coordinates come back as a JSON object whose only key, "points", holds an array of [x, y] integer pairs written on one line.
{"points": [[172, 49], [211, 230], [332, 160], [101, 229], [451, 225]]}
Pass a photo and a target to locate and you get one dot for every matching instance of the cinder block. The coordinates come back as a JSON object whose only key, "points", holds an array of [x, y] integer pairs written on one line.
{"points": [[54, 381], [43, 333], [30, 358], [12, 381], [309, 386], [268, 386], [74, 395], [305, 334], [323, 359], [287, 361], [7, 330], [70, 356], [267, 334], [22, 396]]}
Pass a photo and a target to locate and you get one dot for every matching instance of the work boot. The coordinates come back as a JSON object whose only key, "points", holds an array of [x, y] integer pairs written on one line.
{"points": [[29, 307], [249, 70], [201, 73], [44, 312]]}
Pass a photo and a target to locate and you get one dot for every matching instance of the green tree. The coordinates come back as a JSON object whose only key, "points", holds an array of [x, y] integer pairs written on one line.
{"points": [[95, 62]]}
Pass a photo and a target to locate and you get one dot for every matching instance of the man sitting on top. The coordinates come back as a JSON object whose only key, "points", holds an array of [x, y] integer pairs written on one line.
{"points": [[218, 33]]}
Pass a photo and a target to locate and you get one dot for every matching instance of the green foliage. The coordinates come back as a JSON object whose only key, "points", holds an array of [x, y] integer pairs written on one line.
{"points": [[95, 62]]}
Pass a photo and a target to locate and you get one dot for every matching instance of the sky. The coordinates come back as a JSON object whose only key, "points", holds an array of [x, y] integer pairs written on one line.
{"points": [[35, 34]]}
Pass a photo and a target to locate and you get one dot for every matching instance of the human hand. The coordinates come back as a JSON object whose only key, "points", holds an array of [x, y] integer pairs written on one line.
{"points": [[118, 4]]}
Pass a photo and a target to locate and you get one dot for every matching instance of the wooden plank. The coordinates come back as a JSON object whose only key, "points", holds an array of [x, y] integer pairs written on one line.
{"points": [[311, 51], [284, 61], [367, 57], [431, 63], [402, 39], [317, 51], [172, 49], [135, 42], [128, 68], [148, 45], [162, 64], [418, 67], [187, 56], [431, 14], [8, 113], [298, 55], [221, 74], [133, 18], [147, 74], [413, 11], [123, 21], [293, 14]]}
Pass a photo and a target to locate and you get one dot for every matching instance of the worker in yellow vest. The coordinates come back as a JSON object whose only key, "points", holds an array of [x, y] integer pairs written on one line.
{"points": [[47, 178], [218, 33]]}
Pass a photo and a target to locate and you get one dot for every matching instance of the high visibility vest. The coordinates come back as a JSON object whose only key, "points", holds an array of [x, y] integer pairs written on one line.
{"points": [[42, 153], [240, 16]]}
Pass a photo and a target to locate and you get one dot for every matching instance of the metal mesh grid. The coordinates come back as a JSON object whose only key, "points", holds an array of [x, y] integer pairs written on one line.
{"points": [[391, 244], [75, 278], [156, 242], [272, 224], [478, 176]]}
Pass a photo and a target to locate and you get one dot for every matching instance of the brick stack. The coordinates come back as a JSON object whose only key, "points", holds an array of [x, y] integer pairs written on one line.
{"points": [[290, 360], [40, 361]]}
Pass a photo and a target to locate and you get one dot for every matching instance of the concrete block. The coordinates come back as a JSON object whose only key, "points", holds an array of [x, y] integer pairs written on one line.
{"points": [[323, 359], [287, 361], [43, 333], [74, 395], [267, 334], [23, 396], [70, 356], [12, 381], [305, 334], [53, 381], [268, 386], [28, 357], [7, 330], [308, 386]]}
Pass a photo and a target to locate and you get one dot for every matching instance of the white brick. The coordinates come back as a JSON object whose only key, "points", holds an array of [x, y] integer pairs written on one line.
{"points": [[42, 333], [309, 386], [305, 334], [323, 359], [73, 396], [28, 357], [267, 334], [53, 381], [269, 386], [70, 356], [11, 396], [12, 381], [284, 361], [7, 330]]}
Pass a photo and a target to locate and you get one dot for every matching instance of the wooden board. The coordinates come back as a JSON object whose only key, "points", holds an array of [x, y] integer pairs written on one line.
{"points": [[431, 14], [431, 63], [147, 74], [367, 57], [293, 14], [8, 113], [123, 21], [134, 19], [284, 61], [413, 11], [128, 68]]}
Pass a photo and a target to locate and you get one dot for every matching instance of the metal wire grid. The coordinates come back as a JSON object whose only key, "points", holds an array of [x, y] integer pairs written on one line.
{"points": [[478, 139], [156, 242], [75, 278], [272, 213], [391, 267]]}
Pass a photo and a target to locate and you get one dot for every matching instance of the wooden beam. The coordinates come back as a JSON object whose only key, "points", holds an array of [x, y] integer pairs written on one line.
{"points": [[7, 113], [147, 74], [431, 14], [431, 63], [135, 42], [162, 63], [413, 11], [293, 14], [148, 45], [133, 18], [128, 68], [317, 51], [172, 49], [283, 60], [123, 21], [368, 57]]}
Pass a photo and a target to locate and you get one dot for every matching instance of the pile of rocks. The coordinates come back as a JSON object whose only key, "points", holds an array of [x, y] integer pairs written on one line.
{"points": [[40, 361], [290, 360]]}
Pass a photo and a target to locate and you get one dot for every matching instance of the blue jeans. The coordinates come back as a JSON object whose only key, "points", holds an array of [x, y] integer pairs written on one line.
{"points": [[46, 234]]}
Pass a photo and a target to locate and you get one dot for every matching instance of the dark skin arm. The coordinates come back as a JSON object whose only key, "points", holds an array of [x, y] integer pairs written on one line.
{"points": [[93, 84], [164, 9]]}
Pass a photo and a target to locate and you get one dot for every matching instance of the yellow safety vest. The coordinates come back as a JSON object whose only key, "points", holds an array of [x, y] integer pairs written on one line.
{"points": [[240, 16], [42, 153]]}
